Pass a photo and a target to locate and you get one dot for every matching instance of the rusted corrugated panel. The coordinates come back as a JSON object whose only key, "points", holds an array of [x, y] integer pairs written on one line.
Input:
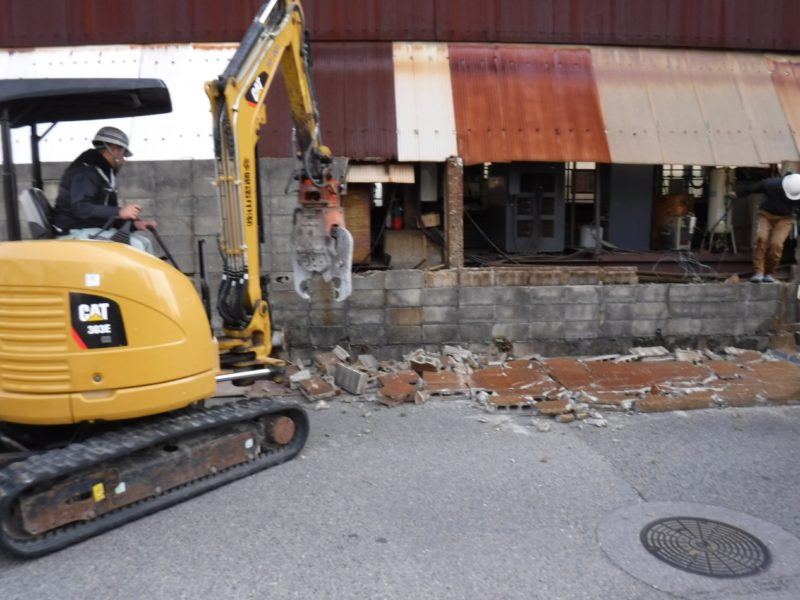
{"points": [[355, 92], [682, 128], [631, 127], [690, 107], [426, 128], [786, 77], [769, 127], [526, 103], [744, 24], [370, 20]]}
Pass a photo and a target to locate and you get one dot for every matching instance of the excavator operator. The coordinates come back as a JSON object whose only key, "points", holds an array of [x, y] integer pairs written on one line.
{"points": [[87, 202]]}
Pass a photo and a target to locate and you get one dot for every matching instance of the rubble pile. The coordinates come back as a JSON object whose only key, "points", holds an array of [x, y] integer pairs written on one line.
{"points": [[646, 379]]}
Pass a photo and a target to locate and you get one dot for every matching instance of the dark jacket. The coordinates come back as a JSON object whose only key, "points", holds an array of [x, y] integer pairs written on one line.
{"points": [[86, 196], [776, 203]]}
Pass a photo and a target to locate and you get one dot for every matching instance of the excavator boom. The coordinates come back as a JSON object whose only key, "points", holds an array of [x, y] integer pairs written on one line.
{"points": [[321, 244]]}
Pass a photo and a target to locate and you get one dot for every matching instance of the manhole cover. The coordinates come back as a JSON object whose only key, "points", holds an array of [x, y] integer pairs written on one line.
{"points": [[705, 547]]}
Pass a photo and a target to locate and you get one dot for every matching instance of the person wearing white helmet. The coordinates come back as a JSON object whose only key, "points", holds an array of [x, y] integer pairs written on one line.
{"points": [[87, 193], [776, 217]]}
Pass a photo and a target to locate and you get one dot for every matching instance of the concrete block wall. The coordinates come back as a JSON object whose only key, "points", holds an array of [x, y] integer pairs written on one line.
{"points": [[557, 310], [398, 311]]}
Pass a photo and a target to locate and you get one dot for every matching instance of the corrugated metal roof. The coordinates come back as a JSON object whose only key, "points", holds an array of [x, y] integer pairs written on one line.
{"points": [[690, 107], [786, 78], [528, 103], [355, 93], [426, 126]]}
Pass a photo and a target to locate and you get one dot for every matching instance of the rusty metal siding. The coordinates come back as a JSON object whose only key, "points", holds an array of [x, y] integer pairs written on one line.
{"points": [[526, 103], [426, 129], [786, 77], [692, 107], [370, 20], [742, 24], [355, 92]]}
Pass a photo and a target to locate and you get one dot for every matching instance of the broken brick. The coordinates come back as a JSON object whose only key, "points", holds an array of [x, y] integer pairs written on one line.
{"points": [[553, 407], [693, 401], [316, 388], [395, 392], [444, 382], [409, 377]]}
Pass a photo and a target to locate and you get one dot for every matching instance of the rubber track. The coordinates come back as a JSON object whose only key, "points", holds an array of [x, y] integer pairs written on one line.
{"points": [[75, 458]]}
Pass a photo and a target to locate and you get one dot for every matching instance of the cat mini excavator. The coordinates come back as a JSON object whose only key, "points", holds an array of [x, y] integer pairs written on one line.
{"points": [[107, 356]]}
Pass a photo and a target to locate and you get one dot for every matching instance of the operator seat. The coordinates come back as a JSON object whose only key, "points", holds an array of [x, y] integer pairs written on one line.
{"points": [[38, 213]]}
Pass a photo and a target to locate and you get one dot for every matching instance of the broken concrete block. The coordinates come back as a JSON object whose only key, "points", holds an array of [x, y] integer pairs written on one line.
{"points": [[326, 362], [409, 377], [425, 364], [342, 354], [298, 376], [396, 392], [350, 379], [316, 388], [421, 397], [444, 382], [369, 361]]}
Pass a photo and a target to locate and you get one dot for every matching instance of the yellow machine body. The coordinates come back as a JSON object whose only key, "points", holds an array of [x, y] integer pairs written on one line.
{"points": [[95, 330]]}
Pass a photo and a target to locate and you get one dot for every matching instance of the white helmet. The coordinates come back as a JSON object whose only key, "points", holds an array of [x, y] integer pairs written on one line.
{"points": [[112, 135], [791, 186]]}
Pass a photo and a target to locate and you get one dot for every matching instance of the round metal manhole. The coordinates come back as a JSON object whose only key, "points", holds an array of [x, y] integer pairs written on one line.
{"points": [[705, 547]]}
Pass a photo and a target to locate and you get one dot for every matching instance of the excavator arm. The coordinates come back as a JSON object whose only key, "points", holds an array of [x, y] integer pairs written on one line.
{"points": [[275, 40]]}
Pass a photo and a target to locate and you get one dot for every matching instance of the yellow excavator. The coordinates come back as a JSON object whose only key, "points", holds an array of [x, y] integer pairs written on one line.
{"points": [[107, 356]]}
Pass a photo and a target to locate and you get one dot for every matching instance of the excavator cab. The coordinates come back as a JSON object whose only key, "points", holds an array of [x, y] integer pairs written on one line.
{"points": [[89, 330]]}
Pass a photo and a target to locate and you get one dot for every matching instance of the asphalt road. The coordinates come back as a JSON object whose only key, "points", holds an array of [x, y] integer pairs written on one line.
{"points": [[444, 500]]}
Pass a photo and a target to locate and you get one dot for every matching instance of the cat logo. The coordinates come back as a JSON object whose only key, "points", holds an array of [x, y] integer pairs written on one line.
{"points": [[93, 312], [253, 95]]}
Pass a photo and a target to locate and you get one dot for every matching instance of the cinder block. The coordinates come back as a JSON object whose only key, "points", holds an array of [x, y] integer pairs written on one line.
{"points": [[203, 176], [581, 312], [366, 316], [647, 329], [547, 330], [470, 296], [366, 299], [616, 329], [207, 225], [582, 294], [476, 314], [440, 333], [546, 294], [404, 279], [512, 313], [620, 293], [403, 297], [327, 317], [350, 380], [547, 312], [446, 278], [322, 337], [475, 278], [368, 334], [182, 206], [439, 297], [439, 314], [581, 330], [475, 332], [652, 292], [515, 332], [404, 334], [683, 326], [650, 310], [615, 311], [512, 295], [374, 280], [511, 277], [404, 316]]}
